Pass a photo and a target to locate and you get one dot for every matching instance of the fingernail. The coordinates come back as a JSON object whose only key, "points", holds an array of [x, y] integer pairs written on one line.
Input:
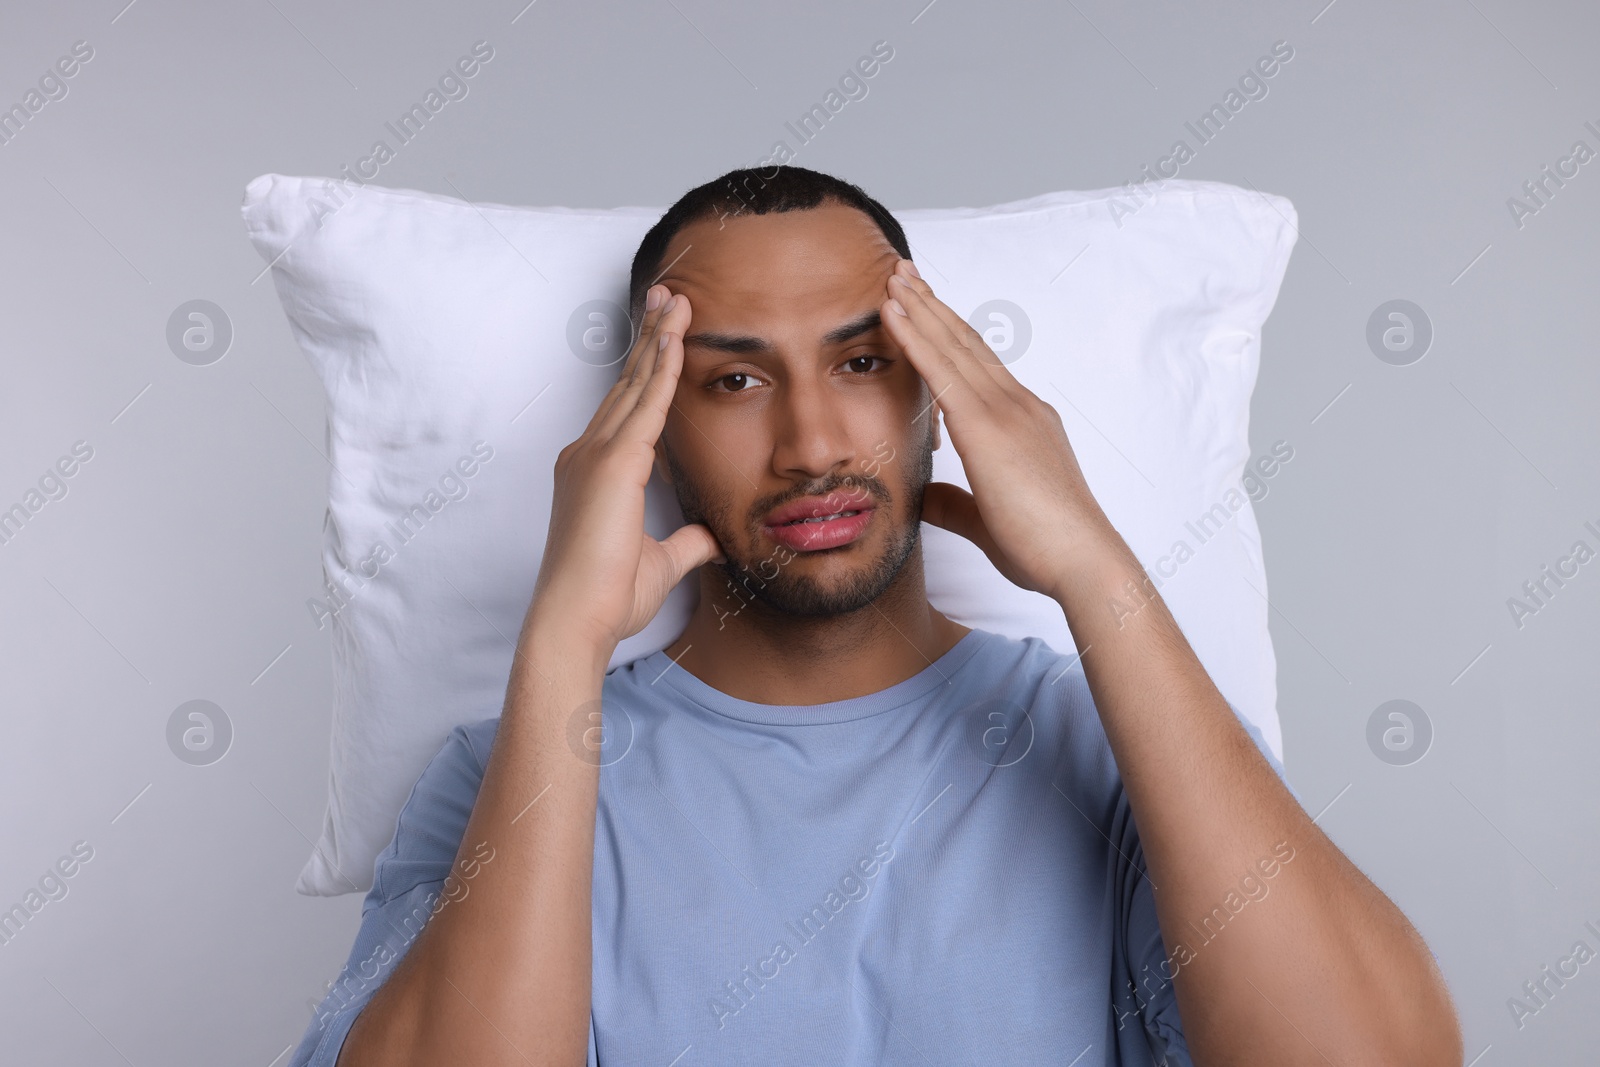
{"points": [[912, 267], [663, 345], [894, 305], [670, 305], [652, 299]]}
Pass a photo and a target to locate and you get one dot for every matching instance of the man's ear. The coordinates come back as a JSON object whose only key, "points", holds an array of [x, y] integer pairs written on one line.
{"points": [[662, 470]]}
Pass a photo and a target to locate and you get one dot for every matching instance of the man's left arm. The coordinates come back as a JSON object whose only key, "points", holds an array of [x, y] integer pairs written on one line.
{"points": [[1325, 970]]}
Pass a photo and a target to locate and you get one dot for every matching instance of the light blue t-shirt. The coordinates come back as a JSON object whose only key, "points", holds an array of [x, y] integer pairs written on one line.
{"points": [[943, 872]]}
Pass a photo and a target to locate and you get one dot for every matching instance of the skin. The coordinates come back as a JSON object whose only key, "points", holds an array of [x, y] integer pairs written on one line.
{"points": [[1325, 970], [806, 414]]}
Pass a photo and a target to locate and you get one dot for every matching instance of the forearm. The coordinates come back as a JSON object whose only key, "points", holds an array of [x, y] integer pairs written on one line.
{"points": [[501, 973], [1320, 963]]}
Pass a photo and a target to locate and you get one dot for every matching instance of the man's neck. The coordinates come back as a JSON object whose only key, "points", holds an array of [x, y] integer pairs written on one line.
{"points": [[768, 657]]}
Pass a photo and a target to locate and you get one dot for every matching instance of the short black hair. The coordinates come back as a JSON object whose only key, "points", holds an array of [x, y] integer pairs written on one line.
{"points": [[756, 192]]}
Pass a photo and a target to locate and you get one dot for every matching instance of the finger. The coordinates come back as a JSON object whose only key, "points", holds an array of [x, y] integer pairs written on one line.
{"points": [[953, 388], [671, 323], [642, 422], [959, 328], [689, 547], [640, 350], [907, 272], [956, 338], [641, 353], [952, 508]]}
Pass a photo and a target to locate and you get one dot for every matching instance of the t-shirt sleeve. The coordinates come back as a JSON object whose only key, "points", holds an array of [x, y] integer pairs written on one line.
{"points": [[1147, 1031], [407, 879]]}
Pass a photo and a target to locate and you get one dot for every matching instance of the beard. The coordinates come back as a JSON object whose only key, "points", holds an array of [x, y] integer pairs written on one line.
{"points": [[771, 579]]}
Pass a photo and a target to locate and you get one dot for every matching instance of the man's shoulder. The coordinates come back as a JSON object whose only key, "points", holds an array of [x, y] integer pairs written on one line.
{"points": [[435, 813], [464, 754], [462, 757], [1025, 648], [1024, 662], [1030, 666], [1023, 685], [1022, 704]]}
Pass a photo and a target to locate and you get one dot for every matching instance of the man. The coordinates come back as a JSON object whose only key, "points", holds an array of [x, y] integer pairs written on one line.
{"points": [[829, 825]]}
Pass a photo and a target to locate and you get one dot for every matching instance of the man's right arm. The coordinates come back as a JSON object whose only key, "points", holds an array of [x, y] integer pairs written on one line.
{"points": [[501, 973]]}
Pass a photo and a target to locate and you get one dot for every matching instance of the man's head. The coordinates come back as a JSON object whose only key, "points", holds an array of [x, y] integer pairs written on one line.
{"points": [[791, 390]]}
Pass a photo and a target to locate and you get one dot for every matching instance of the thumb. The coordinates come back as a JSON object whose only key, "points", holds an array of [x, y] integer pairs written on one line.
{"points": [[689, 547], [952, 508]]}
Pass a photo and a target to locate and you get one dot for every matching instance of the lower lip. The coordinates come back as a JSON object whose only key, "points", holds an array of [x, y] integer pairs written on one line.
{"points": [[815, 536]]}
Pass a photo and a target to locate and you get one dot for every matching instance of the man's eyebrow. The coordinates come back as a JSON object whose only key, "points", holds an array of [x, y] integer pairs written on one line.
{"points": [[857, 326], [748, 343]]}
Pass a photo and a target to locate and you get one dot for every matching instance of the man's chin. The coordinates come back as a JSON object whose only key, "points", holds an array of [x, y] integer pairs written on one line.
{"points": [[807, 598], [819, 583]]}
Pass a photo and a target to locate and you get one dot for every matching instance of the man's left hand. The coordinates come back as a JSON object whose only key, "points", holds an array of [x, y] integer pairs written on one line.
{"points": [[1030, 509]]}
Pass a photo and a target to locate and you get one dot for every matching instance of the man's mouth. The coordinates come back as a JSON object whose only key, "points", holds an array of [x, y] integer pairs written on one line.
{"points": [[820, 518], [815, 523]]}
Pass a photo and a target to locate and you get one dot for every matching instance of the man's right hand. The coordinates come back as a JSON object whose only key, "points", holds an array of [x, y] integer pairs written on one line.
{"points": [[505, 973], [603, 578]]}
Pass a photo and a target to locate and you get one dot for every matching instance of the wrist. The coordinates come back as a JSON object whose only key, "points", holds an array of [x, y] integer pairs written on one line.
{"points": [[556, 640], [1095, 561]]}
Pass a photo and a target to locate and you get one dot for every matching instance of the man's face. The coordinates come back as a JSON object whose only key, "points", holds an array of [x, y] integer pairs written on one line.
{"points": [[791, 392]]}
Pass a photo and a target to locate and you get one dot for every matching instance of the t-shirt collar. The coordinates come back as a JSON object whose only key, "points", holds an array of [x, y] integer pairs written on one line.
{"points": [[660, 667]]}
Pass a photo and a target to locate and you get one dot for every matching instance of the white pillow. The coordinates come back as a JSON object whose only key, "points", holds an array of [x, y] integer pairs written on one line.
{"points": [[462, 346]]}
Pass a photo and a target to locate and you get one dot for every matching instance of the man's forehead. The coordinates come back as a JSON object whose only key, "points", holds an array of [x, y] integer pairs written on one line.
{"points": [[818, 256]]}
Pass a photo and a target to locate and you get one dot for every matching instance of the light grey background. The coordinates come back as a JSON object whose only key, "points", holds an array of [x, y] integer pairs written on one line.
{"points": [[178, 565]]}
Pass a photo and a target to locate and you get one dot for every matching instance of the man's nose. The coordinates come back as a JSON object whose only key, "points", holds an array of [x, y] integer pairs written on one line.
{"points": [[811, 435]]}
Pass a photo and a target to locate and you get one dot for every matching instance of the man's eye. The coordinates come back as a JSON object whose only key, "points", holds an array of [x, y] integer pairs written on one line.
{"points": [[855, 363], [734, 383]]}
